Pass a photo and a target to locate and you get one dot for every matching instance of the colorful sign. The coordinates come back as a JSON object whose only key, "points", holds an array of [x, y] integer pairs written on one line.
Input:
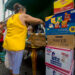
{"points": [[63, 5], [61, 24]]}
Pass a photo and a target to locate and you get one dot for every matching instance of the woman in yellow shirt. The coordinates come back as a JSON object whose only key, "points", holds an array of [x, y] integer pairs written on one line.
{"points": [[14, 42]]}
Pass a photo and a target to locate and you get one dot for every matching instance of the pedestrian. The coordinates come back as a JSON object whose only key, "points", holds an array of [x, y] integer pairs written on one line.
{"points": [[1, 40], [14, 42]]}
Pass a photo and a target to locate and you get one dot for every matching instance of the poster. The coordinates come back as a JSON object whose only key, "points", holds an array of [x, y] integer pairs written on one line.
{"points": [[61, 24], [63, 5]]}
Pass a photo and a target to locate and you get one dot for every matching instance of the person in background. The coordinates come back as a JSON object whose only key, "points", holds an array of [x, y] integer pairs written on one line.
{"points": [[14, 42], [1, 39], [30, 30]]}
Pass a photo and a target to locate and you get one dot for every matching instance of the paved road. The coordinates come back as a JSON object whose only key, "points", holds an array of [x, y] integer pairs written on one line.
{"points": [[26, 67]]}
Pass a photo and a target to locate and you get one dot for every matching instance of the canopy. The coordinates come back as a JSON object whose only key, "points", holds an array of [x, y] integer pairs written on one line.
{"points": [[36, 8]]}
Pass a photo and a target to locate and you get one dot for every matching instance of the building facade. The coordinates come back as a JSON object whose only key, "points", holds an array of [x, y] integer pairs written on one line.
{"points": [[4, 14]]}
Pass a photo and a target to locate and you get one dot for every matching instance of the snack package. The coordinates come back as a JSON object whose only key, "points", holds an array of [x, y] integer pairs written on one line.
{"points": [[57, 25], [64, 24]]}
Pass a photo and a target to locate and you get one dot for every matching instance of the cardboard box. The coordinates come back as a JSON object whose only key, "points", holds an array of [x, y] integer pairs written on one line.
{"points": [[50, 71], [72, 69], [61, 24], [61, 41], [59, 58], [63, 5], [54, 71]]}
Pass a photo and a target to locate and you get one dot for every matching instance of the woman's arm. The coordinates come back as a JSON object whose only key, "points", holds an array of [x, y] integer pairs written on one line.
{"points": [[32, 20]]}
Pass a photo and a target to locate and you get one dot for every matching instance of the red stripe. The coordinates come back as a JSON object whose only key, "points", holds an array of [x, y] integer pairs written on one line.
{"points": [[57, 67], [58, 48], [56, 70], [68, 7]]}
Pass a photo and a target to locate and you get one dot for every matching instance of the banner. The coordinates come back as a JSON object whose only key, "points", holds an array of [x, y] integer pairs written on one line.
{"points": [[63, 5], [61, 24]]}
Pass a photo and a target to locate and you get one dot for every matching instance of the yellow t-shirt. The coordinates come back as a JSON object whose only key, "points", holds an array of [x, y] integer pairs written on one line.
{"points": [[16, 34]]}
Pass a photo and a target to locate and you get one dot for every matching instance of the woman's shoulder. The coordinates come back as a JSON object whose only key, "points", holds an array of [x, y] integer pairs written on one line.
{"points": [[24, 15]]}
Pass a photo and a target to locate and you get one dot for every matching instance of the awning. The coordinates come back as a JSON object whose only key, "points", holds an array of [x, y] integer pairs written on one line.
{"points": [[36, 8]]}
